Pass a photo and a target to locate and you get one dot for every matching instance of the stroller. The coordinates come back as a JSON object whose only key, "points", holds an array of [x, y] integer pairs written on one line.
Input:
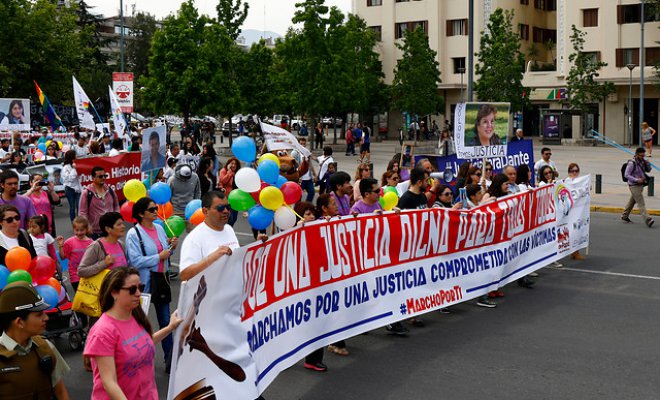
{"points": [[63, 320]]}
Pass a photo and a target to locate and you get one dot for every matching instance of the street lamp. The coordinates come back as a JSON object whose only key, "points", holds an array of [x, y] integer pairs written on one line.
{"points": [[630, 67], [461, 71]]}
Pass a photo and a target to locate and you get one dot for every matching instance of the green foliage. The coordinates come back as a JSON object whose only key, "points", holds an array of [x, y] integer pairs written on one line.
{"points": [[231, 16], [582, 87], [416, 77], [142, 31], [258, 80], [501, 64]]}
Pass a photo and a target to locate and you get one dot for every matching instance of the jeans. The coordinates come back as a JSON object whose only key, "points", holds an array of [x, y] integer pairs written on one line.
{"points": [[350, 148], [73, 198], [233, 216], [163, 315], [308, 186]]}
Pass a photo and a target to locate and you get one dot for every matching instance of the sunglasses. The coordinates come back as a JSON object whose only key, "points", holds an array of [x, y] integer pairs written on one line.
{"points": [[478, 174], [152, 210], [133, 289], [489, 169], [9, 220], [574, 171], [104, 176], [447, 194], [395, 178], [547, 154], [222, 207]]}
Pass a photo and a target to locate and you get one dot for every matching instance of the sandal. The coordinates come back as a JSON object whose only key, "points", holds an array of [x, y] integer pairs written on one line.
{"points": [[340, 351]]}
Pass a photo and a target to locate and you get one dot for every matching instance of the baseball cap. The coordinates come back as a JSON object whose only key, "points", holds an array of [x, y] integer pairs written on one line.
{"points": [[185, 171], [21, 296]]}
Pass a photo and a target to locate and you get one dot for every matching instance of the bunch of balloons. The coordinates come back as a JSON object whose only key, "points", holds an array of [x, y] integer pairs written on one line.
{"points": [[389, 198], [161, 194], [38, 272], [194, 213], [263, 193]]}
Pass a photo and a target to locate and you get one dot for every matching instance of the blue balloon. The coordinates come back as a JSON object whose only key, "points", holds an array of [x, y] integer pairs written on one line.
{"points": [[280, 181], [42, 147], [259, 217], [191, 207], [160, 193], [63, 263], [4, 273], [244, 149], [268, 171], [49, 294]]}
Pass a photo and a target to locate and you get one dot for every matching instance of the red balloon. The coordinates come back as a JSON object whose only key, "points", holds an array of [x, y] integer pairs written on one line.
{"points": [[126, 211], [292, 192], [42, 268], [255, 195], [18, 258]]}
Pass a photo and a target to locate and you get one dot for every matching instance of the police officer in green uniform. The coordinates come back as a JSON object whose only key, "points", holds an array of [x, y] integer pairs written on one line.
{"points": [[30, 366]]}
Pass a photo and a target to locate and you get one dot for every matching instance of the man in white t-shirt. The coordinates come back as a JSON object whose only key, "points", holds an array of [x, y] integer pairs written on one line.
{"points": [[546, 153], [210, 240]]}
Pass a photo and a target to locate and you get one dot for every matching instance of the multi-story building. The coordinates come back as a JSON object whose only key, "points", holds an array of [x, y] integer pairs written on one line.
{"points": [[612, 30]]}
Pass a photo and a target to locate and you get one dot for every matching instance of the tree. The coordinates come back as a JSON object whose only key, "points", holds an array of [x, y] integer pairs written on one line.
{"points": [[231, 16], [582, 87], [142, 31], [501, 64], [257, 80], [416, 76]]}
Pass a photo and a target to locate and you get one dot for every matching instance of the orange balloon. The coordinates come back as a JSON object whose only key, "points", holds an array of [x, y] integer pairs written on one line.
{"points": [[55, 284], [18, 258], [165, 211], [197, 217]]}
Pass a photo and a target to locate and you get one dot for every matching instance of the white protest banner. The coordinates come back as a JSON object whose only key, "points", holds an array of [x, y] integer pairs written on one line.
{"points": [[573, 199], [117, 114], [481, 129], [85, 118], [253, 314], [277, 138], [122, 84], [14, 115]]}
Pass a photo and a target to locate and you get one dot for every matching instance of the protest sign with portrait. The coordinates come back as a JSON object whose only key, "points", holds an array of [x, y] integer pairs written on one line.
{"points": [[481, 129], [153, 149], [14, 115]]}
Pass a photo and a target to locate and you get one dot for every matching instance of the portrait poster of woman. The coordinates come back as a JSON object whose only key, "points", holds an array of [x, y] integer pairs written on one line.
{"points": [[481, 129], [14, 114]]}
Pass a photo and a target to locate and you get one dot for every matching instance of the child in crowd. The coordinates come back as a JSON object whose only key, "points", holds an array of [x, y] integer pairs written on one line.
{"points": [[44, 244], [74, 247], [324, 182]]}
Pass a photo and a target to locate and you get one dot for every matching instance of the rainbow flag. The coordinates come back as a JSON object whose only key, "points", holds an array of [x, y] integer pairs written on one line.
{"points": [[49, 112]]}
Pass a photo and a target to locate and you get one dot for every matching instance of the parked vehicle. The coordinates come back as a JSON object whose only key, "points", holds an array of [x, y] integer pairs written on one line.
{"points": [[327, 121], [235, 121]]}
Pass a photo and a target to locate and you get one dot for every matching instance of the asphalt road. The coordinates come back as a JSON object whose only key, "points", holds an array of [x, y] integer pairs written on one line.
{"points": [[587, 331]]}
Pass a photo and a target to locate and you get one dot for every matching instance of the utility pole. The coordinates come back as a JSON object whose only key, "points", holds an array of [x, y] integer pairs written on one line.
{"points": [[641, 79], [121, 33], [470, 48]]}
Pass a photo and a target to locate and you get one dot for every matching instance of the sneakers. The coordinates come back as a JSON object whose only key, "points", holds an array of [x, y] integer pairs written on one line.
{"points": [[650, 222], [533, 274], [626, 219], [397, 329], [319, 366], [486, 303], [557, 265]]}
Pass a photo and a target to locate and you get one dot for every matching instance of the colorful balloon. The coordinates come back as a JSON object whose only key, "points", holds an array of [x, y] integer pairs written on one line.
{"points": [[62, 295], [390, 199], [18, 258], [292, 192], [54, 283], [247, 179], [270, 156], [126, 211], [49, 294], [198, 217], [240, 200], [268, 171], [191, 207], [285, 218], [271, 198], [175, 226], [280, 181], [260, 218], [244, 149], [255, 195], [4, 273], [165, 211], [390, 189], [19, 275], [42, 147], [160, 193], [42, 268], [134, 190]]}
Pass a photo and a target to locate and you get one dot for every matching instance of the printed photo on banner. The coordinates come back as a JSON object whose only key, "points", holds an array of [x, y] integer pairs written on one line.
{"points": [[153, 149], [407, 152], [14, 114], [481, 129]]}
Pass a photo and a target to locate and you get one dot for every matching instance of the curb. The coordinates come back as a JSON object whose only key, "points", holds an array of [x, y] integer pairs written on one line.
{"points": [[619, 210]]}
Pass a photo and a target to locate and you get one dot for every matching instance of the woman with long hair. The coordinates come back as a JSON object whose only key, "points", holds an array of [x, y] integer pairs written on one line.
{"points": [[546, 175], [209, 151], [462, 175], [226, 183], [207, 180], [121, 343], [390, 179], [524, 178], [363, 171], [647, 137], [43, 200]]}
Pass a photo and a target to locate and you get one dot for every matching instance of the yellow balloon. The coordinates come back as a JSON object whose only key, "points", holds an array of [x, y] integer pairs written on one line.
{"points": [[271, 198], [47, 143], [134, 190], [270, 156], [390, 199]]}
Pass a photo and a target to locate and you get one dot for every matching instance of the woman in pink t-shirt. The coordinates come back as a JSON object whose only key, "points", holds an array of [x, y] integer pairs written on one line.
{"points": [[43, 200], [121, 343], [108, 251]]}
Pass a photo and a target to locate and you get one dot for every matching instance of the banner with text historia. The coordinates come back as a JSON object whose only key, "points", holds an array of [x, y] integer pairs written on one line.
{"points": [[255, 313], [120, 169]]}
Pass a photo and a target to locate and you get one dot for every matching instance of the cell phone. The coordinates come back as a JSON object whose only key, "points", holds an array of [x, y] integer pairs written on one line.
{"points": [[42, 183]]}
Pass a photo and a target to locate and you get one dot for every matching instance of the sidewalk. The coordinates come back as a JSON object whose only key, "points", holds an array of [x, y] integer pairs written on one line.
{"points": [[602, 159]]}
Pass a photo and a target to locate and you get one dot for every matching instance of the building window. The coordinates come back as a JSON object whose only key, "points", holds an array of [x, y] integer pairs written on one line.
{"points": [[402, 1], [377, 32], [590, 17], [371, 3], [400, 28], [627, 56], [632, 13], [457, 27], [541, 35], [545, 5], [524, 31], [593, 56], [459, 65], [652, 56], [524, 2]]}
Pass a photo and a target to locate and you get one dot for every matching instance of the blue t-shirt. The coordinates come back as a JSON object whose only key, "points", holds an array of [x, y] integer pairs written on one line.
{"points": [[357, 134]]}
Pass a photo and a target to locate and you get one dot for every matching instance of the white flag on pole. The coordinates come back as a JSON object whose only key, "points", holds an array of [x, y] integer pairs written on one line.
{"points": [[117, 116], [83, 105]]}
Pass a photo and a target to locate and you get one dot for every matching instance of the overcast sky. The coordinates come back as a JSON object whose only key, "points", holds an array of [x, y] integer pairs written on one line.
{"points": [[269, 15]]}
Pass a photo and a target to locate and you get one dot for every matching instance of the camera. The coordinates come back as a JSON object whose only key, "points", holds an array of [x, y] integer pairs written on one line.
{"points": [[42, 183]]}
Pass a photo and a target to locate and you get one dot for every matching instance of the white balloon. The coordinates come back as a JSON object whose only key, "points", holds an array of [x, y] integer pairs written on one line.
{"points": [[285, 218], [247, 179]]}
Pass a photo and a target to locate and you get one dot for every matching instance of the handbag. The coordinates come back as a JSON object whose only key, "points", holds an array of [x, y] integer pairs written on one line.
{"points": [[86, 300], [159, 281]]}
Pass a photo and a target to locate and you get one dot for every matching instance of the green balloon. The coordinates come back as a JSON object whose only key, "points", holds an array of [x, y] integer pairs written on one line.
{"points": [[240, 200], [381, 200], [175, 226], [19, 275], [390, 189]]}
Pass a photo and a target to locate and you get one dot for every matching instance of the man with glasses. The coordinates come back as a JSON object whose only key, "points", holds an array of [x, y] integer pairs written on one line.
{"points": [[636, 177], [9, 185], [97, 199], [210, 240], [546, 153], [369, 203]]}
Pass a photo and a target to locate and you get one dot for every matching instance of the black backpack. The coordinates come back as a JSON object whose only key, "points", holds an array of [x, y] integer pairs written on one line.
{"points": [[623, 171], [90, 194]]}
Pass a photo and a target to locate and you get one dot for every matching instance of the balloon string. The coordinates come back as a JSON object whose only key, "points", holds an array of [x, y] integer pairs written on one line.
{"points": [[294, 211]]}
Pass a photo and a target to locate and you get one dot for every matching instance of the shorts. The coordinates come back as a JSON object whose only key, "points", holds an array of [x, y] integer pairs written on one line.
{"points": [[365, 147]]}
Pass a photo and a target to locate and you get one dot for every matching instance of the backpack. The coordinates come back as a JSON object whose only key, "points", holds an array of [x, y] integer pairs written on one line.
{"points": [[623, 171], [90, 195]]}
